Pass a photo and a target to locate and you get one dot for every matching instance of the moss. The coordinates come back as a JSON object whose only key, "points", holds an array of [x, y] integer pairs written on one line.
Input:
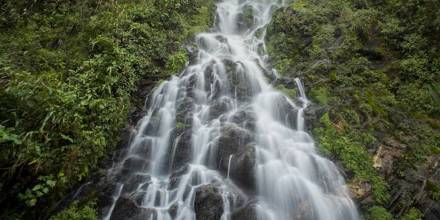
{"points": [[347, 148], [298, 5], [379, 213], [292, 93], [434, 190], [202, 20], [413, 214], [248, 16], [180, 125], [370, 67], [320, 95], [176, 62]]}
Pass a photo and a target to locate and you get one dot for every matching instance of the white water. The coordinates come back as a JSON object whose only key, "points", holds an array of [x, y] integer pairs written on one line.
{"points": [[184, 125]]}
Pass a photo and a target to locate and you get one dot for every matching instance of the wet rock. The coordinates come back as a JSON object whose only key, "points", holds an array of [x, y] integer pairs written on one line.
{"points": [[288, 83], [105, 197], [144, 87], [245, 118], [304, 211], [153, 124], [242, 167], [132, 164], [221, 38], [208, 203], [235, 144], [176, 176], [230, 66], [246, 18], [241, 87], [219, 107], [184, 115], [134, 182], [312, 115], [192, 52], [190, 84], [126, 208], [182, 152], [292, 118], [433, 211], [143, 148], [232, 138], [248, 212]]}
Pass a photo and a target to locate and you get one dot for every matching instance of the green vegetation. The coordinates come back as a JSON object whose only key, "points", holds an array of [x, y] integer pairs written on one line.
{"points": [[434, 190], [74, 212], [67, 72], [413, 214], [375, 65], [379, 213], [290, 92], [349, 149]]}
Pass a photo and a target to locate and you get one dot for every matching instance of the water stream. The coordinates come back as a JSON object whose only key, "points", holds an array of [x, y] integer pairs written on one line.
{"points": [[222, 129]]}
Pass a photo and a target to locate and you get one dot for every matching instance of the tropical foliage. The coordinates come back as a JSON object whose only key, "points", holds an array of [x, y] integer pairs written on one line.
{"points": [[67, 72]]}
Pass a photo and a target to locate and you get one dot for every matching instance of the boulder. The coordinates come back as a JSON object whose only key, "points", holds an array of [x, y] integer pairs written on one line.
{"points": [[127, 209], [247, 212], [235, 144], [240, 85], [219, 107], [245, 118], [105, 196], [208, 203], [132, 164]]}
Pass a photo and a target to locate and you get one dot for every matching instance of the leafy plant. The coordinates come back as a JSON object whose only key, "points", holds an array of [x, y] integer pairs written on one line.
{"points": [[379, 213], [68, 70]]}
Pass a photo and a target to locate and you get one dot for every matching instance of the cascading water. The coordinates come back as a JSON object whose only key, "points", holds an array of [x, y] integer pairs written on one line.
{"points": [[221, 130]]}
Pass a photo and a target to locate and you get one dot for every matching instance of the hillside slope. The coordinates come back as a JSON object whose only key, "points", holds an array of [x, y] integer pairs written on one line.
{"points": [[69, 75], [374, 68]]}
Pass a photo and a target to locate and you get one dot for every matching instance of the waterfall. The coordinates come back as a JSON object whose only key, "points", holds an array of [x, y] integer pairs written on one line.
{"points": [[221, 135]]}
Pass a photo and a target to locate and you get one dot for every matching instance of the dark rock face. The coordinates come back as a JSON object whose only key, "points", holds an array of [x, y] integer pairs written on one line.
{"points": [[135, 181], [237, 142], [182, 152], [242, 167], [433, 212], [133, 163], [208, 203], [245, 118], [312, 114], [246, 19], [126, 208], [175, 177], [184, 109], [219, 107], [192, 52], [248, 212], [241, 87]]}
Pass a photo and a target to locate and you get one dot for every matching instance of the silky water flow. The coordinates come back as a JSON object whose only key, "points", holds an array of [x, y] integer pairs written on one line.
{"points": [[221, 128]]}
